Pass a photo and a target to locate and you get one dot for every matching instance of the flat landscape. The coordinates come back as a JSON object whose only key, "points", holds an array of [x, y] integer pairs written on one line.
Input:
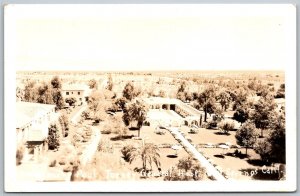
{"points": [[166, 126]]}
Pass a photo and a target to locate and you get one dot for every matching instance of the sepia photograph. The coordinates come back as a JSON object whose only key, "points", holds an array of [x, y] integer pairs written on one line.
{"points": [[150, 97]]}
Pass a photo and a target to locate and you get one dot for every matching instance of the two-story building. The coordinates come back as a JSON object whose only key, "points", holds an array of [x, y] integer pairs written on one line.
{"points": [[32, 122], [80, 92]]}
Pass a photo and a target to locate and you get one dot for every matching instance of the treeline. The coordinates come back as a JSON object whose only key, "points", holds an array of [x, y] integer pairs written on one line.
{"points": [[257, 117], [45, 92]]}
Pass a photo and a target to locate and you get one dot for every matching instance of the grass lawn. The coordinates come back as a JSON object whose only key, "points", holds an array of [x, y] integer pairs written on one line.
{"points": [[234, 167], [167, 157]]}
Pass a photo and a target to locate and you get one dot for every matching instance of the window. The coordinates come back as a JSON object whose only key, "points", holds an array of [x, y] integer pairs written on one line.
{"points": [[72, 93], [78, 93], [67, 93], [80, 99]]}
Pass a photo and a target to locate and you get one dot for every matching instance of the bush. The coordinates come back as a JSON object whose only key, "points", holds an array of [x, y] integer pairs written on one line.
{"points": [[105, 146], [86, 115], [193, 131], [52, 163], [106, 129], [19, 154], [68, 168], [226, 126], [263, 148], [212, 125], [126, 151]]}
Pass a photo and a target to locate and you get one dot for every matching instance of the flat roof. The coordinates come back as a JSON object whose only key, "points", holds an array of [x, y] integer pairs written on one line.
{"points": [[161, 100]]}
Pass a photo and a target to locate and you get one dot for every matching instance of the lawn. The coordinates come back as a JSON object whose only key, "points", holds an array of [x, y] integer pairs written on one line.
{"points": [[237, 168], [164, 142]]}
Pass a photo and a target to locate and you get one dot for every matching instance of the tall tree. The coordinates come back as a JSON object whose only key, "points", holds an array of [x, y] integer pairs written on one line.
{"points": [[98, 105], [56, 82], [207, 100], [30, 91], [224, 98], [277, 139], [245, 136], [265, 113], [136, 111], [45, 94], [53, 137], [242, 114], [130, 92], [148, 153], [57, 95], [121, 102], [110, 83], [239, 97]]}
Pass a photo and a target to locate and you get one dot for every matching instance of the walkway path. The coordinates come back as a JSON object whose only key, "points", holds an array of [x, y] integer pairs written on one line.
{"points": [[75, 118], [210, 169], [90, 150]]}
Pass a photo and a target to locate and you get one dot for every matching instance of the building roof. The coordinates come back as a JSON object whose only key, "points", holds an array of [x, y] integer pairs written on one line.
{"points": [[26, 112], [161, 100]]}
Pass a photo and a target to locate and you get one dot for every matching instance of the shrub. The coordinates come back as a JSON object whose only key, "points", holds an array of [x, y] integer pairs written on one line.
{"points": [[212, 125], [226, 126], [52, 163], [106, 129], [62, 161], [126, 151], [19, 154], [105, 146], [193, 131], [68, 168], [86, 115]]}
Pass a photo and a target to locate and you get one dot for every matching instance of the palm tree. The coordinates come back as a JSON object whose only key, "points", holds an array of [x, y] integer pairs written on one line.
{"points": [[148, 153], [136, 111]]}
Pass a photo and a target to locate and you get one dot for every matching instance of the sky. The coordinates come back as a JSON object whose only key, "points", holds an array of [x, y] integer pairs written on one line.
{"points": [[148, 37]]}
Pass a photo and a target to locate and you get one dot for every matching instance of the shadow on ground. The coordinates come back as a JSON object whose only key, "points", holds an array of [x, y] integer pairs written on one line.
{"points": [[221, 133], [124, 137], [172, 156]]}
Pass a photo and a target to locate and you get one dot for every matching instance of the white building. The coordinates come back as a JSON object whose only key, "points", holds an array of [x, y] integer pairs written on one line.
{"points": [[32, 122], [170, 112], [80, 92]]}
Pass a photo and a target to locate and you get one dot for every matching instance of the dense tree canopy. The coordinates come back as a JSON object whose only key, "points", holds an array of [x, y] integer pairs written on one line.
{"points": [[93, 84], [224, 98], [246, 135], [130, 92], [136, 111], [71, 101], [242, 114], [207, 100], [265, 113]]}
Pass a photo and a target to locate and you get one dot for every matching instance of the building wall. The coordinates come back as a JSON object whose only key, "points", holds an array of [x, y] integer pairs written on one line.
{"points": [[77, 94], [38, 124]]}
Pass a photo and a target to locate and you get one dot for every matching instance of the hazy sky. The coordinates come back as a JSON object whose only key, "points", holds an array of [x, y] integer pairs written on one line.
{"points": [[149, 37]]}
